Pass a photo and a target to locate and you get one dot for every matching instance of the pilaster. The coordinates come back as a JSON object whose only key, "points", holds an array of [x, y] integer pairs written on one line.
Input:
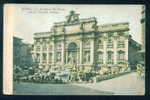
{"points": [[41, 54], [126, 49], [81, 50], [62, 51], [47, 54], [92, 51], [105, 50], [53, 51], [115, 50]]}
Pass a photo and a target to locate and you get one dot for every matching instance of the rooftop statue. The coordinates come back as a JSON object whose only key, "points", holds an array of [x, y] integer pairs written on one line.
{"points": [[72, 17]]}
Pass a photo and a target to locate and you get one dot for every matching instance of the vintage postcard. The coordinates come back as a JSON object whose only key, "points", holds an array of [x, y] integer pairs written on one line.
{"points": [[64, 49]]}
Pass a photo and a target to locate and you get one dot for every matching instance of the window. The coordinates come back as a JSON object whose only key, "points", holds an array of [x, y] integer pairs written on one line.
{"points": [[44, 47], [121, 44], [121, 57], [58, 46], [50, 57], [99, 44], [44, 57], [87, 43], [50, 47], [110, 43], [58, 57], [36, 41], [110, 57], [38, 48], [38, 57], [100, 57], [120, 33]]}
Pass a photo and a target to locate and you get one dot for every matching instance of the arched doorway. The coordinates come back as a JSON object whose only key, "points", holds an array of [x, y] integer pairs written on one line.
{"points": [[72, 53]]}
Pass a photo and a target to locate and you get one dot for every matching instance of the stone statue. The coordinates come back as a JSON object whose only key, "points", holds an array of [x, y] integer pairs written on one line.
{"points": [[87, 59], [70, 58]]}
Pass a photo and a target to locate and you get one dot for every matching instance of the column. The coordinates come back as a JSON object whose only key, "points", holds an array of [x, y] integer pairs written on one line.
{"points": [[41, 54], [92, 51], [53, 51], [81, 51], [34, 53], [41, 57], [126, 49], [47, 54], [34, 50], [105, 51], [115, 50], [77, 57], [62, 51], [66, 56]]}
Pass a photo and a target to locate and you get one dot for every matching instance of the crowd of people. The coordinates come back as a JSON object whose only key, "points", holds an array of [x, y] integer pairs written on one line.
{"points": [[33, 74], [51, 77], [141, 70], [41, 77]]}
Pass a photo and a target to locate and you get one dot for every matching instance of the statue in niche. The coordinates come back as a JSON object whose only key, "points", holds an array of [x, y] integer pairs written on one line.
{"points": [[58, 57], [87, 57], [70, 58]]}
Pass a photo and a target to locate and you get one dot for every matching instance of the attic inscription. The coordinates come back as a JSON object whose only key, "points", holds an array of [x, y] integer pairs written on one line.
{"points": [[41, 10]]}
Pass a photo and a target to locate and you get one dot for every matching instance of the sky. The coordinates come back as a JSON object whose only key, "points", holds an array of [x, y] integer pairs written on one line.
{"points": [[30, 18]]}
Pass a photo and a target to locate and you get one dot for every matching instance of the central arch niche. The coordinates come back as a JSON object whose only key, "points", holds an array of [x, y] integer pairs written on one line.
{"points": [[72, 53]]}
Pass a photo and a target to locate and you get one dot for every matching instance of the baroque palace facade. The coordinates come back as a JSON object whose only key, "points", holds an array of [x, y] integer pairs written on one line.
{"points": [[84, 45]]}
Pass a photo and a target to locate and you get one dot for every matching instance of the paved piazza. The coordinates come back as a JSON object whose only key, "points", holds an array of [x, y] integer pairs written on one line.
{"points": [[128, 84]]}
